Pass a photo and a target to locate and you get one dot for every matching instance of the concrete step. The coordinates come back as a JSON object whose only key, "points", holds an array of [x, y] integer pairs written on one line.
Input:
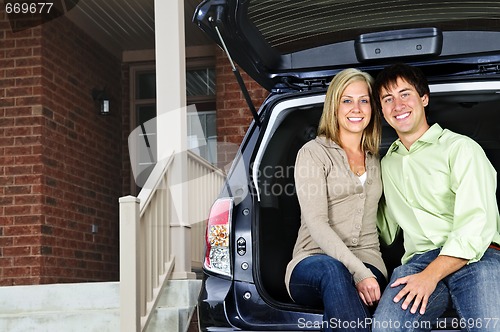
{"points": [[180, 293], [91, 321], [60, 307], [170, 320], [175, 306], [89, 307]]}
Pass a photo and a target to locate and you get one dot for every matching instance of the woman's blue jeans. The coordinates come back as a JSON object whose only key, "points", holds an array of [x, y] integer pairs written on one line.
{"points": [[322, 281], [474, 292]]}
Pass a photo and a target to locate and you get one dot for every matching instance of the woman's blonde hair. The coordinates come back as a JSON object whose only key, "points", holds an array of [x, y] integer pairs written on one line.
{"points": [[329, 125]]}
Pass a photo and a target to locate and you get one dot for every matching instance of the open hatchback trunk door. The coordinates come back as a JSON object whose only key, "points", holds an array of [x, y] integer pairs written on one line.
{"points": [[297, 43]]}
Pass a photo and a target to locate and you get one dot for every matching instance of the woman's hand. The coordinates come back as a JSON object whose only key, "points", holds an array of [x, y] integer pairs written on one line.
{"points": [[369, 291]]}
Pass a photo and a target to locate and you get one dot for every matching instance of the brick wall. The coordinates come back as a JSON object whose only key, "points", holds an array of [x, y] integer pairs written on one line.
{"points": [[60, 162], [233, 114], [20, 155]]}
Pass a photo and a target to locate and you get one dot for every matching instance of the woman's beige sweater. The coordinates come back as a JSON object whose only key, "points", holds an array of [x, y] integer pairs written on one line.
{"points": [[338, 213]]}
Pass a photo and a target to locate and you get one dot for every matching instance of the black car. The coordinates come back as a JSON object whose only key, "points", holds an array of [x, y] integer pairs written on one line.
{"points": [[293, 49]]}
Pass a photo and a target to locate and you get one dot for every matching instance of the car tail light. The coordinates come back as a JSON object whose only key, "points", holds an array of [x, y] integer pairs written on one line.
{"points": [[217, 254]]}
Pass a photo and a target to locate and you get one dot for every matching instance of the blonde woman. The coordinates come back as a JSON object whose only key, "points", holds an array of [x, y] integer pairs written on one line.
{"points": [[336, 261]]}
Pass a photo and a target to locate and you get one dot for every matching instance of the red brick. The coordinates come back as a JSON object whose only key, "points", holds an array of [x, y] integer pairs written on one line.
{"points": [[5, 281], [6, 200], [36, 189], [30, 159], [19, 111], [28, 179], [16, 251], [27, 261], [27, 42], [6, 242], [235, 95], [18, 169], [27, 220], [6, 45], [232, 87], [17, 131], [7, 102], [5, 221], [17, 150], [7, 82], [20, 230], [17, 210], [28, 241], [236, 139], [15, 92], [19, 72], [19, 52], [242, 122], [6, 141], [6, 262], [28, 62], [18, 34], [28, 121], [30, 81], [18, 190], [229, 131]]}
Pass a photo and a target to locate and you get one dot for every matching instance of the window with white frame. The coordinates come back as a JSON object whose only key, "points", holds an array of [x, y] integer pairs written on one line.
{"points": [[202, 125], [201, 115], [202, 134], [143, 121]]}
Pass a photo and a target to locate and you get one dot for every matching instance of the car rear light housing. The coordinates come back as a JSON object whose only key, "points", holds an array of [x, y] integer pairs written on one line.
{"points": [[217, 253]]}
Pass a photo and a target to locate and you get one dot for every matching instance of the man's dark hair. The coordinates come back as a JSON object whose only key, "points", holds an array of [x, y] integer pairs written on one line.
{"points": [[390, 74]]}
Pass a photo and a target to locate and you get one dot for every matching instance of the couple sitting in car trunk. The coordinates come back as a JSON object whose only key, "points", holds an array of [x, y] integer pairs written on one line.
{"points": [[438, 188]]}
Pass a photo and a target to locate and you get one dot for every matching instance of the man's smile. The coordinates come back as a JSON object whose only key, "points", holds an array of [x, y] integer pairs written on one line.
{"points": [[402, 116]]}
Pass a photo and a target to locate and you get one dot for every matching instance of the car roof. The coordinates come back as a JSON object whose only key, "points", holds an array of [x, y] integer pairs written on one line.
{"points": [[279, 40]]}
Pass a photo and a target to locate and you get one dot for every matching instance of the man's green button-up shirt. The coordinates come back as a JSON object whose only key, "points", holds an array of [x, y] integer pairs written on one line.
{"points": [[442, 194]]}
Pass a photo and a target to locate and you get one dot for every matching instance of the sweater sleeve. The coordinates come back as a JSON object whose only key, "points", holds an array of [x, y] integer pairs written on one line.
{"points": [[311, 171]]}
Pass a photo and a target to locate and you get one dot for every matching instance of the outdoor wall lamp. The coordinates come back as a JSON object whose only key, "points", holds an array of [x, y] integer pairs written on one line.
{"points": [[101, 98]]}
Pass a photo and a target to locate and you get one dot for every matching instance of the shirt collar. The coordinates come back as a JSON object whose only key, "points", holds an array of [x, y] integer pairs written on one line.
{"points": [[430, 136], [331, 144], [327, 142]]}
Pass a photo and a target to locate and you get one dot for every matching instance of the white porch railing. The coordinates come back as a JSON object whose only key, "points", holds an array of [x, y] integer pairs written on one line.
{"points": [[146, 259]]}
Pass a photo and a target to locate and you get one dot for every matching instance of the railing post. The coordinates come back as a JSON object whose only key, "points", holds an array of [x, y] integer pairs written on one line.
{"points": [[130, 305]]}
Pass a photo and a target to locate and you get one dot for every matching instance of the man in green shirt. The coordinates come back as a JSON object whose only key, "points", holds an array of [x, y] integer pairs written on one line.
{"points": [[439, 189]]}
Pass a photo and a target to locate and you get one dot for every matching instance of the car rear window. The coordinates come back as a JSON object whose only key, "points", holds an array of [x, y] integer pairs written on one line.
{"points": [[294, 25]]}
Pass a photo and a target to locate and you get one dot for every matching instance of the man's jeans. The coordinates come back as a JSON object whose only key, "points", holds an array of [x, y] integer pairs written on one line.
{"points": [[322, 281], [474, 292]]}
